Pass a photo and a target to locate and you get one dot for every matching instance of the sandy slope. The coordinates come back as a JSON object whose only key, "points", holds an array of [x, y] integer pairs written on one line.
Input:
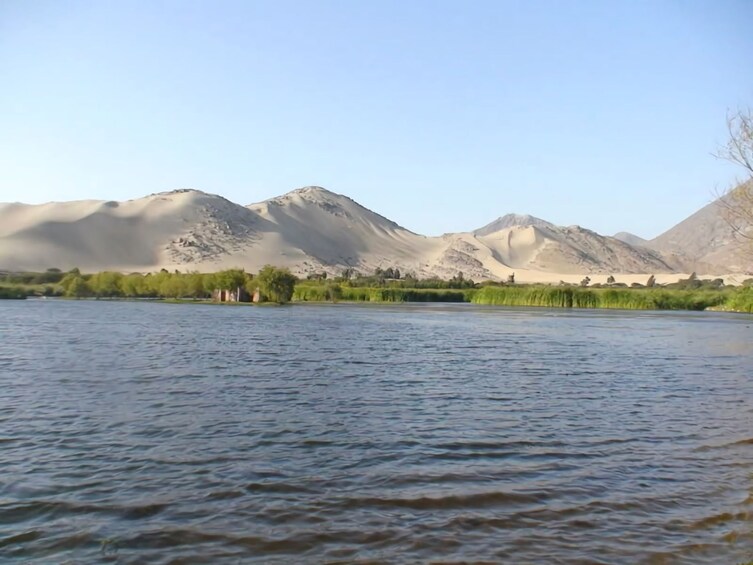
{"points": [[333, 230], [703, 242], [176, 228], [309, 229]]}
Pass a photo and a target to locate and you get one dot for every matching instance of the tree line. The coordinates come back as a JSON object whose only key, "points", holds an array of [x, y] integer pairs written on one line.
{"points": [[272, 283]]}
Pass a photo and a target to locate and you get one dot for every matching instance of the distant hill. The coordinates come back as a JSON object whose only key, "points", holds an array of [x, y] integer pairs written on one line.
{"points": [[631, 239], [572, 249], [703, 242], [510, 221], [308, 230]]}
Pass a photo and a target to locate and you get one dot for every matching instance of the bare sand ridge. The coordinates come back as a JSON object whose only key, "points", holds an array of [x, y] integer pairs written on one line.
{"points": [[312, 229]]}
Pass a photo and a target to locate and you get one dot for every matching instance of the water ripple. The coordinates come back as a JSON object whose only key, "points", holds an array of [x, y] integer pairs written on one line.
{"points": [[154, 433]]}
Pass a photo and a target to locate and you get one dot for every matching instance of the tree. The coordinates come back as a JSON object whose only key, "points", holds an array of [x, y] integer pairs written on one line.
{"points": [[276, 284], [209, 283], [106, 283], [737, 201], [230, 279], [195, 285], [155, 283], [134, 285], [78, 287], [173, 286]]}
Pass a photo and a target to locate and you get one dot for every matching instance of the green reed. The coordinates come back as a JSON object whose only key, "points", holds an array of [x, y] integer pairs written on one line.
{"points": [[575, 297], [324, 293], [741, 300]]}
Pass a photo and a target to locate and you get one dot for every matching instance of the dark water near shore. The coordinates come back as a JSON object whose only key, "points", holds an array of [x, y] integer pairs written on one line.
{"points": [[157, 433]]}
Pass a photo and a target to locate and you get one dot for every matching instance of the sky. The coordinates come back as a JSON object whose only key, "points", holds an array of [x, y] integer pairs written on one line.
{"points": [[438, 115]]}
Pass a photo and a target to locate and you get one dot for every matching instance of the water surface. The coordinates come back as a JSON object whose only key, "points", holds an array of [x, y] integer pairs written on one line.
{"points": [[158, 433]]}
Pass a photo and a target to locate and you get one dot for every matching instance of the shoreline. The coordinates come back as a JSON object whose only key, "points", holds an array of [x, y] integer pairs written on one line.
{"points": [[559, 305]]}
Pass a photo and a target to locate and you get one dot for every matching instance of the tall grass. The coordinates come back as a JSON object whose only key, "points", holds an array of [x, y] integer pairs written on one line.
{"points": [[320, 293], [412, 295], [542, 296], [310, 293], [572, 297], [406, 295], [741, 300]]}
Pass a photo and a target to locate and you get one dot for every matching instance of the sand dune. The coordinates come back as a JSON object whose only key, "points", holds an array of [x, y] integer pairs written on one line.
{"points": [[308, 230], [175, 228]]}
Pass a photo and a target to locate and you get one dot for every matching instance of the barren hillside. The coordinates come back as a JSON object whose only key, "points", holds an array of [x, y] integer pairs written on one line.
{"points": [[311, 230]]}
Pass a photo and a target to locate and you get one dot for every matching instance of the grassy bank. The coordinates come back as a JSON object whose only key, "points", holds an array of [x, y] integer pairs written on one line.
{"points": [[334, 293], [740, 300], [729, 299], [628, 299], [687, 294]]}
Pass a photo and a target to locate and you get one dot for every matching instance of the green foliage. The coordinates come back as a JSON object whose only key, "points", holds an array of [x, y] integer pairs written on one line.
{"points": [[334, 292], [106, 283], [330, 292], [408, 281], [279, 285], [133, 285], [305, 292], [50, 276], [276, 285], [416, 295], [171, 285], [230, 279], [12, 293], [309, 293], [579, 297], [365, 294], [741, 300], [77, 287]]}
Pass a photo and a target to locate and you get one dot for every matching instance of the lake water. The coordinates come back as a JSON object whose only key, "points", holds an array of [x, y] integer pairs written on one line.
{"points": [[161, 433]]}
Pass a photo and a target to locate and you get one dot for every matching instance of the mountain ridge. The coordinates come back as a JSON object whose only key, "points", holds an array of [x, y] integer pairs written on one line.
{"points": [[307, 229]]}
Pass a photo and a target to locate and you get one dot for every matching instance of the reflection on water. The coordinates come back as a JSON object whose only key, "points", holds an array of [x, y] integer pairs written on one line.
{"points": [[155, 433]]}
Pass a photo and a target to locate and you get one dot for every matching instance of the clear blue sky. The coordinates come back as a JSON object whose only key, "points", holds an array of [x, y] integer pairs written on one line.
{"points": [[439, 115]]}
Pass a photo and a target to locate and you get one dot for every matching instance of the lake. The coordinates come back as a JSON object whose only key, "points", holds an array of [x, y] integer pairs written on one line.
{"points": [[171, 433]]}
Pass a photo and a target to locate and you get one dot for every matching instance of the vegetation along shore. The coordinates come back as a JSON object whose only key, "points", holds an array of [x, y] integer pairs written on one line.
{"points": [[279, 285]]}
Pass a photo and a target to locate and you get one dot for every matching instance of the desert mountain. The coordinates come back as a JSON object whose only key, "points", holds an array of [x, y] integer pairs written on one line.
{"points": [[510, 221], [317, 228], [702, 242], [631, 239], [571, 249], [310, 229]]}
